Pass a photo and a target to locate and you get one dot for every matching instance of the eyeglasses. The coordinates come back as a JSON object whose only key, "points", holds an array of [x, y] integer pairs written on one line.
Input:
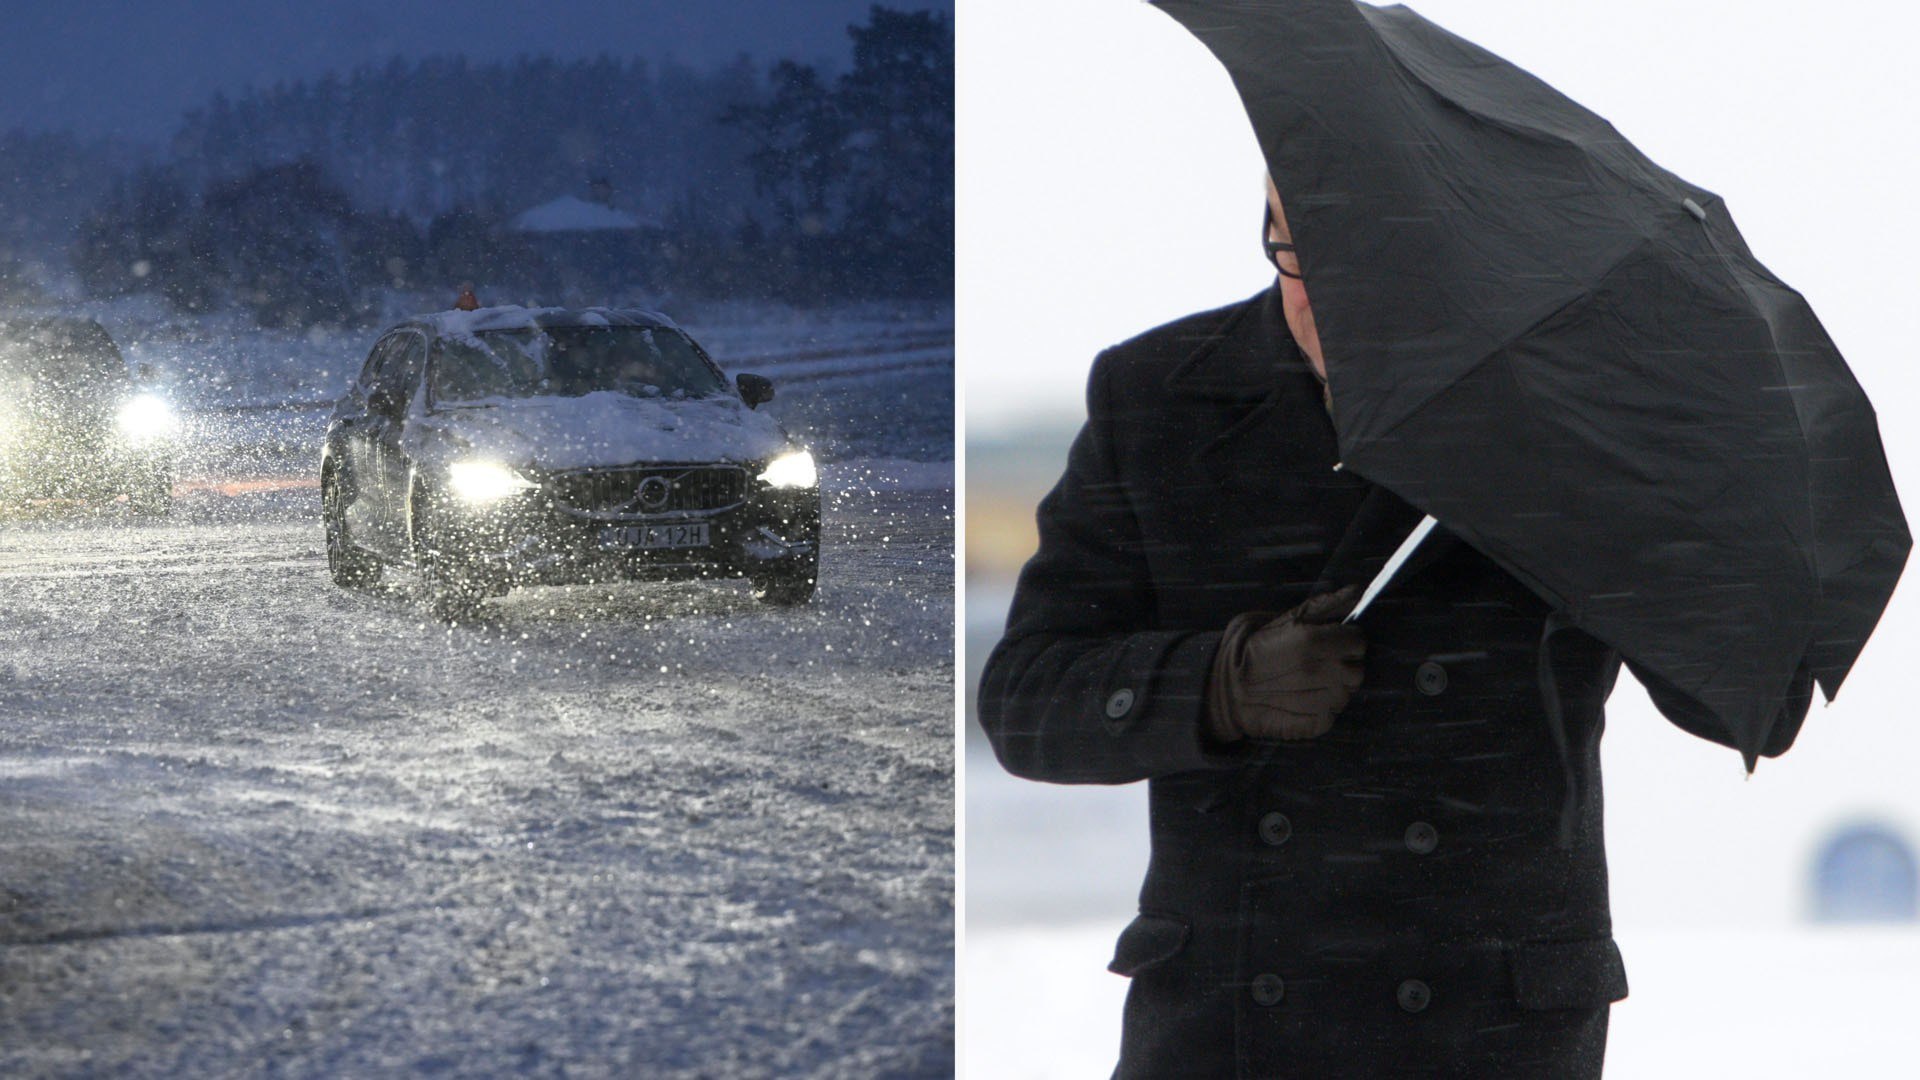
{"points": [[1275, 247]]}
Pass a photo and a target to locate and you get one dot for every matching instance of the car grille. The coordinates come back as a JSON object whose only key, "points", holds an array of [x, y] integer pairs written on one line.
{"points": [[626, 492]]}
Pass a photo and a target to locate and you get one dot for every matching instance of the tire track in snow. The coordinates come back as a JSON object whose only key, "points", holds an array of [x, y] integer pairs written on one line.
{"points": [[266, 923]]}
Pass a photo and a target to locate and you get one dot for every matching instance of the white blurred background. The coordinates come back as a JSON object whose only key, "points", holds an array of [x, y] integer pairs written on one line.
{"points": [[1108, 181]]}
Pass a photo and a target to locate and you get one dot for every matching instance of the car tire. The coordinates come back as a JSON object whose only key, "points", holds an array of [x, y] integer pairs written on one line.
{"points": [[348, 565], [453, 592], [788, 586], [455, 589]]}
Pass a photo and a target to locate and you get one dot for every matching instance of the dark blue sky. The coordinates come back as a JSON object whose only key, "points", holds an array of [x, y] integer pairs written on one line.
{"points": [[128, 68]]}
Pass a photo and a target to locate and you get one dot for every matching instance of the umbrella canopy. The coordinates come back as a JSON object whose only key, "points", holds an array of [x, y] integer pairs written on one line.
{"points": [[1569, 356]]}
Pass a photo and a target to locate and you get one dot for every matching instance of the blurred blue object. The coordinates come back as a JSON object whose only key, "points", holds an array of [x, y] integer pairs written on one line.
{"points": [[1866, 873]]}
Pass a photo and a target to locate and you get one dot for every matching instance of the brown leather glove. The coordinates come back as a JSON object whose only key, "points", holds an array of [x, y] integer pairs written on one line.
{"points": [[1286, 676]]}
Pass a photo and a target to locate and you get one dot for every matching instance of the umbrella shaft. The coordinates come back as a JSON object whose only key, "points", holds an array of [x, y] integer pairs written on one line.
{"points": [[1399, 559]]}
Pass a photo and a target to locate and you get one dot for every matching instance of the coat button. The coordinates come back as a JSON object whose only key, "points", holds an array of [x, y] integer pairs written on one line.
{"points": [[1269, 989], [1275, 829], [1414, 995], [1431, 679], [1422, 838], [1120, 704]]}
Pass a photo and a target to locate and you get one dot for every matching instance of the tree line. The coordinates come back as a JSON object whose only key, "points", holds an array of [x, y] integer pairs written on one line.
{"points": [[301, 202]]}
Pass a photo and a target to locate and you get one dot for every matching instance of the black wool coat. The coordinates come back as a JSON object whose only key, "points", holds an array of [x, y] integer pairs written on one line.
{"points": [[1394, 898]]}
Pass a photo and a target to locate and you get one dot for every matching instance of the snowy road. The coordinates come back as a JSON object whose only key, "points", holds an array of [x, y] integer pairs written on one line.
{"points": [[254, 825], [249, 821]]}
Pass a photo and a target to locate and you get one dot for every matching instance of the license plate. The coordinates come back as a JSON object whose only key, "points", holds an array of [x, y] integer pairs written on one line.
{"points": [[644, 537]]}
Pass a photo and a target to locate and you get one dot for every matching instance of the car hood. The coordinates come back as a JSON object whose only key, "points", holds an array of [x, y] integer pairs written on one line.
{"points": [[598, 429]]}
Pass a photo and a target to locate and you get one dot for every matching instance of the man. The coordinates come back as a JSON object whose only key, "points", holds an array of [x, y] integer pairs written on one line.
{"points": [[1375, 852]]}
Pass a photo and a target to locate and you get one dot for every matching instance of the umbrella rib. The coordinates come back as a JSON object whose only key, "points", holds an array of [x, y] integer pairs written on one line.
{"points": [[1409, 413], [1734, 267]]}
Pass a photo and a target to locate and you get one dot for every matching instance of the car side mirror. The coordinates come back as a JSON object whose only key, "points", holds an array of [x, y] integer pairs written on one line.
{"points": [[381, 400], [755, 390]]}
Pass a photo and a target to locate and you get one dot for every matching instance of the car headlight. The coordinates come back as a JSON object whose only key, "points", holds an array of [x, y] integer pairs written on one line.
{"points": [[146, 418], [486, 481], [792, 470]]}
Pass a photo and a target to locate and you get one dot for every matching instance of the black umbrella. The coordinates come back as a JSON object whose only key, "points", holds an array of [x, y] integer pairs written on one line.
{"points": [[1568, 356]]}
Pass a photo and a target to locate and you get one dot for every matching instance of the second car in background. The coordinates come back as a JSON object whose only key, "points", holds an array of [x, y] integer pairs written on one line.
{"points": [[75, 426]]}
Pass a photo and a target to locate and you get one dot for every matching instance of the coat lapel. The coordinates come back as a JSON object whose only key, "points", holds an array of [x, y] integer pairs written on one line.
{"points": [[1251, 369], [1239, 360], [1251, 374]]}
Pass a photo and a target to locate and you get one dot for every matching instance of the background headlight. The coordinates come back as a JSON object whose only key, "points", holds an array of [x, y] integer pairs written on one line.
{"points": [[485, 481], [794, 470], [146, 418]]}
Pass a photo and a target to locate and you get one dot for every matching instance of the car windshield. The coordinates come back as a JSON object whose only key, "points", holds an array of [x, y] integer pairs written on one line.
{"points": [[570, 361]]}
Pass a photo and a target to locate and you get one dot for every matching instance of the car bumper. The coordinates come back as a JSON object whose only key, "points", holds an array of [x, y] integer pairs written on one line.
{"points": [[528, 540]]}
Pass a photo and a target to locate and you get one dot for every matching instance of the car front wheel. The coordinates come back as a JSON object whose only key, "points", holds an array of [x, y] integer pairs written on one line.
{"points": [[455, 587], [454, 592], [348, 565], [788, 585]]}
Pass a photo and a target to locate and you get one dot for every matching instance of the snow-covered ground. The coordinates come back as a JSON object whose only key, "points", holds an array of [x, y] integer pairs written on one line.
{"points": [[252, 824]]}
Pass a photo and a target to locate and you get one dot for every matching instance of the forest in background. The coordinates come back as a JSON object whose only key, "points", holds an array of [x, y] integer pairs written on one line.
{"points": [[302, 203]]}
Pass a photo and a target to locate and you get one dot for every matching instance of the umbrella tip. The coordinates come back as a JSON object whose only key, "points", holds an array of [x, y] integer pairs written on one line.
{"points": [[1699, 212]]}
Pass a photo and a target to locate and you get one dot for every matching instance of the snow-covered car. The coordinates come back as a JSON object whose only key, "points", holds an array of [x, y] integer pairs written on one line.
{"points": [[517, 446], [74, 424]]}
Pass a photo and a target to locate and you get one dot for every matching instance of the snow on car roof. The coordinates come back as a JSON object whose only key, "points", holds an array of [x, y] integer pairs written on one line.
{"points": [[514, 317]]}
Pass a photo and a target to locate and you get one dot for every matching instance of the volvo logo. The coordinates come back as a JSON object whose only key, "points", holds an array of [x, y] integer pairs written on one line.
{"points": [[654, 492]]}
